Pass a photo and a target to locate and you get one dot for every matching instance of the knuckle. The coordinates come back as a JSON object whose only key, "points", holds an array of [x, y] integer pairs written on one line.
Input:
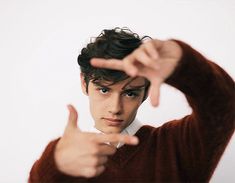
{"points": [[126, 66], [147, 45], [126, 61], [151, 44], [101, 169], [136, 51], [139, 55], [94, 162], [91, 172]]}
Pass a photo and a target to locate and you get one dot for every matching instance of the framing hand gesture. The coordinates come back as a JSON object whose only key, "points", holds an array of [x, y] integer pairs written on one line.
{"points": [[85, 154], [155, 60]]}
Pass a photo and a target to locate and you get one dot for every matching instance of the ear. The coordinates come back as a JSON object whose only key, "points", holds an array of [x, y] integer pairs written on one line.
{"points": [[83, 84]]}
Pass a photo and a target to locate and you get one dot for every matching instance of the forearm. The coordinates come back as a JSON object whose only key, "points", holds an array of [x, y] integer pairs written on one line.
{"points": [[210, 92], [209, 89], [45, 170]]}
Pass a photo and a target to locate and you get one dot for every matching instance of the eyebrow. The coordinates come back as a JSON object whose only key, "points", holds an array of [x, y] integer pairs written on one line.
{"points": [[135, 87], [140, 87], [100, 85]]}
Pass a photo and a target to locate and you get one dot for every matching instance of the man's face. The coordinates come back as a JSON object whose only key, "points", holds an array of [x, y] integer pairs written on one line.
{"points": [[114, 107]]}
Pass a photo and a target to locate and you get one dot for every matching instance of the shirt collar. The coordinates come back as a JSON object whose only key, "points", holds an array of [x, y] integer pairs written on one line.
{"points": [[133, 127]]}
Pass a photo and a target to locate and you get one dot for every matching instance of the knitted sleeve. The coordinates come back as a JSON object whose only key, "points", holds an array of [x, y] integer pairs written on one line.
{"points": [[44, 170], [201, 137]]}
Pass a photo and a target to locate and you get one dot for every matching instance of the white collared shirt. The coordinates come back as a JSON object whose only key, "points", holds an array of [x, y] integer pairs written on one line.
{"points": [[130, 130]]}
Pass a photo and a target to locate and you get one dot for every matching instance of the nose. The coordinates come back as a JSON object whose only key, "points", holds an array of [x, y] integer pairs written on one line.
{"points": [[115, 107]]}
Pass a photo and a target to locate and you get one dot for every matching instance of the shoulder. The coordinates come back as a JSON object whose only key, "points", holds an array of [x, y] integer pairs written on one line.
{"points": [[167, 129]]}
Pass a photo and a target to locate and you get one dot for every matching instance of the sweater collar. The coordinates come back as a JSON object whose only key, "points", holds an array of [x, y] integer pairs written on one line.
{"points": [[133, 127]]}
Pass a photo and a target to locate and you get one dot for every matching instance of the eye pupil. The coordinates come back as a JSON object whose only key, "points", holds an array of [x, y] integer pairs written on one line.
{"points": [[130, 94], [103, 90]]}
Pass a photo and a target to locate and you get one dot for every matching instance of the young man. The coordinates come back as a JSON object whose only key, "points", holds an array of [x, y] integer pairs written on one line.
{"points": [[123, 150]]}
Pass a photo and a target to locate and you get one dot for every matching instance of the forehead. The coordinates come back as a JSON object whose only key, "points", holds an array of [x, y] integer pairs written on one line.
{"points": [[124, 84]]}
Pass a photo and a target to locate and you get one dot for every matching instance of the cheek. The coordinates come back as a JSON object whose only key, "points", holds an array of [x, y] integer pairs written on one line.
{"points": [[97, 106], [131, 108], [96, 101]]}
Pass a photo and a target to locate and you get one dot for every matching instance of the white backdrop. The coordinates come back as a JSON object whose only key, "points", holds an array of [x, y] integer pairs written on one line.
{"points": [[39, 76]]}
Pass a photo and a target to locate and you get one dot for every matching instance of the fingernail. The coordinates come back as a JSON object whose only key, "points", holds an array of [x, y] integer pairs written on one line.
{"points": [[153, 103]]}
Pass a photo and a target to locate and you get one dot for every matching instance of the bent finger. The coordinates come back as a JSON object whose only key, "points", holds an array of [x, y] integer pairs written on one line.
{"points": [[143, 58], [151, 50], [96, 161], [99, 170], [89, 172], [102, 160], [129, 67]]}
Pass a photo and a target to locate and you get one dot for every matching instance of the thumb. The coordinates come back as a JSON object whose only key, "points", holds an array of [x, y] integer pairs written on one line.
{"points": [[73, 118]]}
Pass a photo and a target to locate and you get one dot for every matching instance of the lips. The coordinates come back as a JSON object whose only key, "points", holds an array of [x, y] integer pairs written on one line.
{"points": [[113, 122]]}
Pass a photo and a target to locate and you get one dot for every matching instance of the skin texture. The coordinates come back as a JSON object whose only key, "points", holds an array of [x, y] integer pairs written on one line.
{"points": [[118, 102], [85, 154]]}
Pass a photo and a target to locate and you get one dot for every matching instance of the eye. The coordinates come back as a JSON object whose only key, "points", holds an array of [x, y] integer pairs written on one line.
{"points": [[131, 94], [103, 90]]}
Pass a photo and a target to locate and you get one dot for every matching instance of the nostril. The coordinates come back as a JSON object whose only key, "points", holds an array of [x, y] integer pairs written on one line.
{"points": [[115, 112]]}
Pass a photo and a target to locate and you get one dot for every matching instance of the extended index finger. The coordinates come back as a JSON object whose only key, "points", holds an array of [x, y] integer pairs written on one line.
{"points": [[113, 138], [108, 63]]}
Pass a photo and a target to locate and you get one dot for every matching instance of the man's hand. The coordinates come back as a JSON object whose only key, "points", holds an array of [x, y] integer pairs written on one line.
{"points": [[155, 60], [85, 154]]}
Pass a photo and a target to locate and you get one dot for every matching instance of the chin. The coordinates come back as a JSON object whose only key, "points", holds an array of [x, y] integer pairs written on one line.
{"points": [[109, 130]]}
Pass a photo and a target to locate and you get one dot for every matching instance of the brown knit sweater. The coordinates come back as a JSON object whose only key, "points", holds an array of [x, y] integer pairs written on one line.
{"points": [[185, 150]]}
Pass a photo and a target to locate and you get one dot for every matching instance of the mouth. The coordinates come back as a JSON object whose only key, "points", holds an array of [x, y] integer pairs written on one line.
{"points": [[113, 122]]}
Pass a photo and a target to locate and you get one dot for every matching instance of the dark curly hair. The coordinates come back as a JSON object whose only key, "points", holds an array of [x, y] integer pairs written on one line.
{"points": [[114, 43]]}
